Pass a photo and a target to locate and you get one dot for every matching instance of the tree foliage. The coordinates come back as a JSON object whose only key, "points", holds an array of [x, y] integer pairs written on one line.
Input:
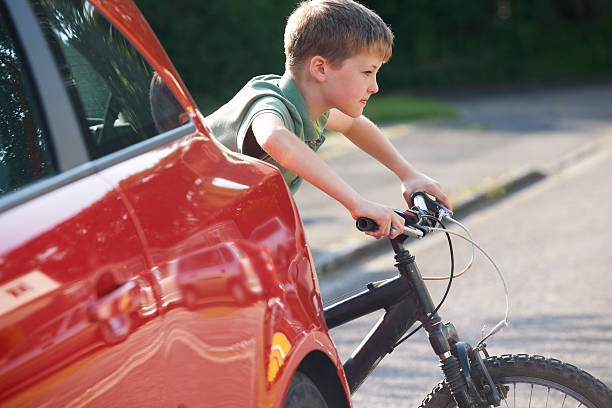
{"points": [[218, 45]]}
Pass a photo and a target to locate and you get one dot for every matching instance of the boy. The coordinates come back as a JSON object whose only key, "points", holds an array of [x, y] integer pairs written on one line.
{"points": [[333, 49]]}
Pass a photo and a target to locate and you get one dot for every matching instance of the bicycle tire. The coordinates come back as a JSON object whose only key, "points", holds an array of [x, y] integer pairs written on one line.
{"points": [[303, 393], [535, 377]]}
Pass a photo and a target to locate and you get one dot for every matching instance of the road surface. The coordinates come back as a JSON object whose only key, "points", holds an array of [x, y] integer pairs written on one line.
{"points": [[553, 242]]}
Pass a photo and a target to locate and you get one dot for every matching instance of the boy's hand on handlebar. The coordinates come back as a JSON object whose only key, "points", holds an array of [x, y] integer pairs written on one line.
{"points": [[422, 182], [389, 223]]}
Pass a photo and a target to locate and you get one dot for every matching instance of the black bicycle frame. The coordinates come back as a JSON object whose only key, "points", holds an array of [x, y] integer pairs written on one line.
{"points": [[405, 299]]}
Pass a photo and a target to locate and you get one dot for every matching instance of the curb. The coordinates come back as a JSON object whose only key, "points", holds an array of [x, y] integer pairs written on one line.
{"points": [[483, 197]]}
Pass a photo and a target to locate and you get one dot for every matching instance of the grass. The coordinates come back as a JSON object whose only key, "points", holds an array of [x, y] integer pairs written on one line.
{"points": [[402, 107], [393, 107]]}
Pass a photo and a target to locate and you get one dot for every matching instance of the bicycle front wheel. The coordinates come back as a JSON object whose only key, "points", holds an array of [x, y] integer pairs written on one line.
{"points": [[533, 381]]}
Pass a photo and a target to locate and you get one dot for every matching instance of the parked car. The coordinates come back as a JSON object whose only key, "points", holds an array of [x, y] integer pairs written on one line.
{"points": [[115, 200], [222, 273]]}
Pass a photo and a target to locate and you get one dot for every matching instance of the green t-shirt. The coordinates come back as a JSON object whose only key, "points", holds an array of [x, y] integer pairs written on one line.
{"points": [[231, 123]]}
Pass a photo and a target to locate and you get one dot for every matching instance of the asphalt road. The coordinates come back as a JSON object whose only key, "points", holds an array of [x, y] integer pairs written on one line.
{"points": [[554, 244], [499, 135]]}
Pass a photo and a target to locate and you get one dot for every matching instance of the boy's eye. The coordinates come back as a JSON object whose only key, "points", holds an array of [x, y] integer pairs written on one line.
{"points": [[367, 73]]}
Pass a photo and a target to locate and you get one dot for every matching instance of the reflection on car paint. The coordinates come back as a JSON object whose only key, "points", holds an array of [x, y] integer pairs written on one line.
{"points": [[24, 289], [216, 342], [279, 350], [78, 238], [223, 272], [278, 239], [229, 184]]}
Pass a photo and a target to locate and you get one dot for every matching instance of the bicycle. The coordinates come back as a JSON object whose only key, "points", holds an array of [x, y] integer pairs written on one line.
{"points": [[472, 378]]}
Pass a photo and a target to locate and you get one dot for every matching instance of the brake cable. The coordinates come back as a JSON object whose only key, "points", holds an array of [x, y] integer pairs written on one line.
{"points": [[504, 322], [501, 324], [471, 261]]}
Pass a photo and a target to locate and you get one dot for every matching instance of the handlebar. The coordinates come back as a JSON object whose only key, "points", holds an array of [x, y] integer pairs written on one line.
{"points": [[416, 223], [411, 218]]}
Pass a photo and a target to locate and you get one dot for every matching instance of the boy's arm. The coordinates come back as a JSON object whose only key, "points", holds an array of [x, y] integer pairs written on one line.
{"points": [[290, 152], [369, 138]]}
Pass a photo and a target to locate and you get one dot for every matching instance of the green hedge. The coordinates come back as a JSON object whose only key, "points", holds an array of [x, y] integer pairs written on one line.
{"points": [[452, 42], [218, 45]]}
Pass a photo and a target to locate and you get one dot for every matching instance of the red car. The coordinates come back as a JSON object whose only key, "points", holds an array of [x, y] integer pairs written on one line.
{"points": [[115, 201]]}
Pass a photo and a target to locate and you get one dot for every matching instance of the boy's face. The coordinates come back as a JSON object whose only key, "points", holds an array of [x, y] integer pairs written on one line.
{"points": [[349, 86]]}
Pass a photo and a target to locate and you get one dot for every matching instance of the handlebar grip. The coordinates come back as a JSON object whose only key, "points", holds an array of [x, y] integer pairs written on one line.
{"points": [[366, 224]]}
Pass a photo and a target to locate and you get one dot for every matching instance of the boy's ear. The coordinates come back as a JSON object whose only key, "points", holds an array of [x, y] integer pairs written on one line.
{"points": [[318, 68]]}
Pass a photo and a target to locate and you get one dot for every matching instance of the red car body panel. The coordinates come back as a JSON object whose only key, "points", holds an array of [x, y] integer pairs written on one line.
{"points": [[57, 252], [95, 280]]}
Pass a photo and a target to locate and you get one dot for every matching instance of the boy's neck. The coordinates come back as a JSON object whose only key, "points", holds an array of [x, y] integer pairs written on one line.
{"points": [[310, 92]]}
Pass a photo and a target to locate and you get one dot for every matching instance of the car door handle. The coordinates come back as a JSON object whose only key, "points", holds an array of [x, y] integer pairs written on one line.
{"points": [[117, 303]]}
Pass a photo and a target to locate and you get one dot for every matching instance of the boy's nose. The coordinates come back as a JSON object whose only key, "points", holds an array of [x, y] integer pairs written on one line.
{"points": [[373, 87]]}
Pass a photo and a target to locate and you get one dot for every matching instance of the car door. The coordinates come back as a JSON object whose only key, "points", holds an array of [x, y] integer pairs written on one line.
{"points": [[194, 203], [79, 303]]}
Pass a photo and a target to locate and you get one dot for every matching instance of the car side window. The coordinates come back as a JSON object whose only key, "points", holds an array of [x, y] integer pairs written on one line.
{"points": [[25, 154], [227, 255], [120, 98]]}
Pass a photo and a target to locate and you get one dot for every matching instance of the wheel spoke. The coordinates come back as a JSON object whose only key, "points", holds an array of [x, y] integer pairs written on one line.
{"points": [[546, 386], [506, 402]]}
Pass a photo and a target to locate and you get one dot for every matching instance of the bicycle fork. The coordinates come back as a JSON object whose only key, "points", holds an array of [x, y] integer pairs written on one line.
{"points": [[437, 332]]}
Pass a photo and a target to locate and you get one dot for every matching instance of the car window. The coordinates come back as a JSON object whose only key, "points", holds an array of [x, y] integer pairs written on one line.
{"points": [[205, 259], [24, 151], [227, 254], [119, 97]]}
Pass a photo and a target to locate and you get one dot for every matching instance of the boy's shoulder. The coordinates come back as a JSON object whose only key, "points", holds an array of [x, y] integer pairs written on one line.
{"points": [[258, 87], [265, 93], [272, 79], [261, 93], [262, 89]]}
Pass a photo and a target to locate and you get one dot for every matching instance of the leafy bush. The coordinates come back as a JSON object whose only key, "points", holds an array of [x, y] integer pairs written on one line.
{"points": [[218, 45]]}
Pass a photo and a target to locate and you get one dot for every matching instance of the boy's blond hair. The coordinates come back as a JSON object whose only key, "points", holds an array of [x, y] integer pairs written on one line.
{"points": [[335, 30]]}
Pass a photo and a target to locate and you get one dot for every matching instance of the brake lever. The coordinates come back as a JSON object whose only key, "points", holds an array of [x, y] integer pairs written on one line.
{"points": [[423, 202]]}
